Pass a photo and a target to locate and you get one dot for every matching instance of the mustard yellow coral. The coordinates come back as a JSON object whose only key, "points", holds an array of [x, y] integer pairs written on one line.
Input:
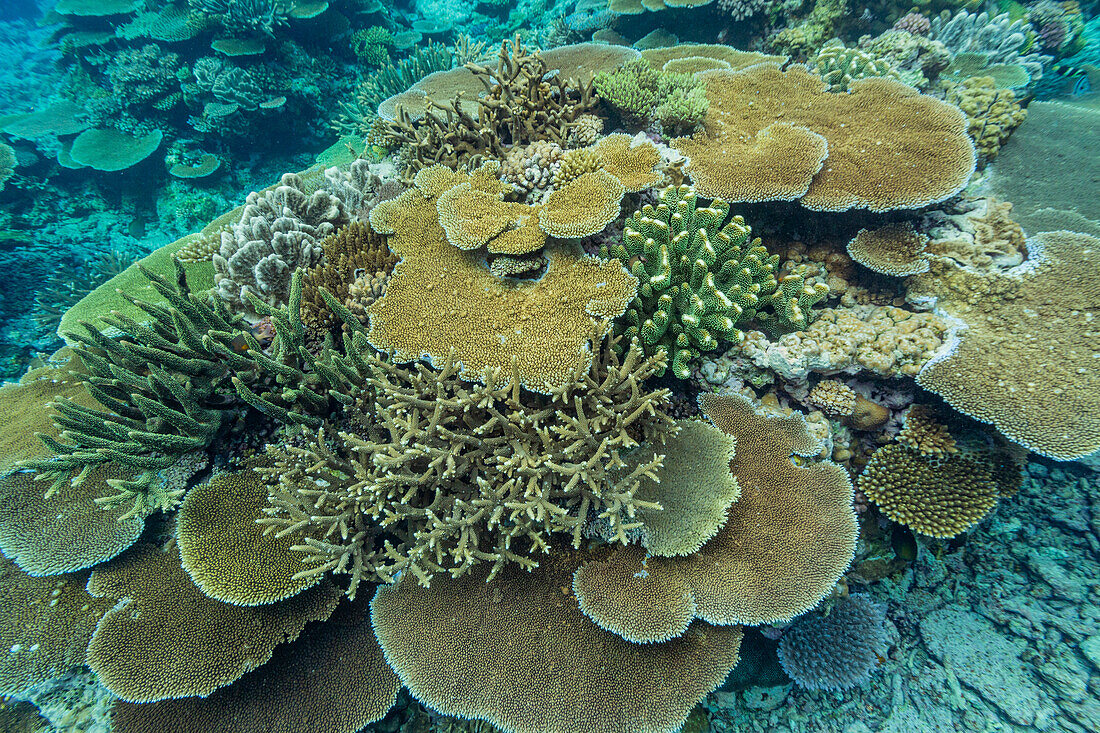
{"points": [[441, 300], [774, 134], [635, 165], [582, 207], [890, 250], [935, 495]]}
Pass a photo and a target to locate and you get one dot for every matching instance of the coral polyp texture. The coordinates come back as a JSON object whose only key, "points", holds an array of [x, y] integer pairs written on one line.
{"points": [[890, 250], [442, 303], [836, 650], [1025, 361], [896, 148]]}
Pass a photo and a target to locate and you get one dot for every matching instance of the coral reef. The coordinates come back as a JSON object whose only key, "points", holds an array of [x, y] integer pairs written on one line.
{"points": [[838, 649], [890, 250], [992, 114], [840, 66], [807, 157]]}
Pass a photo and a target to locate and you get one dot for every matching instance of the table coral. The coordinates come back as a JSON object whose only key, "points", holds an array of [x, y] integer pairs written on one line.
{"points": [[921, 152], [789, 537], [890, 250], [470, 648], [1026, 360], [442, 301]]}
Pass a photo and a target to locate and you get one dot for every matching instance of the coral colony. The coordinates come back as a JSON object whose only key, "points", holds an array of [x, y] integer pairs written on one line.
{"points": [[615, 366]]}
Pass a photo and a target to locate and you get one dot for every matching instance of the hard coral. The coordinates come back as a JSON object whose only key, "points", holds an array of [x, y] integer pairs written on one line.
{"points": [[992, 114], [786, 541], [442, 303], [890, 250], [472, 473], [883, 146], [935, 495], [163, 638], [279, 231], [840, 66], [836, 650], [1026, 360], [350, 253], [472, 648]]}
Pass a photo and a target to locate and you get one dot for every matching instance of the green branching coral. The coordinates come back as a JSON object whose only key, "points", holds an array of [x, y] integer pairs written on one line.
{"points": [[168, 384], [637, 92], [840, 66], [699, 279], [372, 45]]}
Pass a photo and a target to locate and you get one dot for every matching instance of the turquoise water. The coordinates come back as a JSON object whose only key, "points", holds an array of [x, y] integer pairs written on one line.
{"points": [[600, 366]]}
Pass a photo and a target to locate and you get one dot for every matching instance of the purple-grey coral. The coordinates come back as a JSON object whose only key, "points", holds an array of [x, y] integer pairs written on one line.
{"points": [[836, 650]]}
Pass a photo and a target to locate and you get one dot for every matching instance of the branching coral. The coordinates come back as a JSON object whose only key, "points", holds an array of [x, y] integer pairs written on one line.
{"points": [[882, 146], [463, 474], [522, 103], [638, 92], [836, 650], [840, 66], [699, 279], [349, 254]]}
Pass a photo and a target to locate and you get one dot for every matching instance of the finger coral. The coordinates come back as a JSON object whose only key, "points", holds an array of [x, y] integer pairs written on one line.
{"points": [[699, 279], [474, 649], [840, 66], [837, 650], [442, 303], [896, 148], [165, 639], [472, 473], [1026, 360], [353, 251], [788, 538], [935, 495]]}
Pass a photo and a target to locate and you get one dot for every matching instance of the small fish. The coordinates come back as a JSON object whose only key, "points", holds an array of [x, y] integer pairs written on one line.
{"points": [[904, 543]]}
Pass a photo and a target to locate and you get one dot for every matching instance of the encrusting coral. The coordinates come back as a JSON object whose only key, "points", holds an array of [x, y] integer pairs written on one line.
{"points": [[937, 495], [1026, 359], [699, 279], [896, 148], [836, 650], [471, 473], [443, 303], [788, 538]]}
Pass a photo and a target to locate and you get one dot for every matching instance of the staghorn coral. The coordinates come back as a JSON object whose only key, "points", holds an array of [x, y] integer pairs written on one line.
{"points": [[921, 152], [836, 650], [469, 648], [352, 252], [440, 301], [937, 495], [470, 473], [67, 531], [788, 538], [522, 102], [699, 279], [333, 678], [991, 113], [164, 639], [884, 340], [892, 250], [227, 553], [639, 92], [840, 66], [1025, 361], [923, 432], [1002, 39], [279, 231], [45, 626]]}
